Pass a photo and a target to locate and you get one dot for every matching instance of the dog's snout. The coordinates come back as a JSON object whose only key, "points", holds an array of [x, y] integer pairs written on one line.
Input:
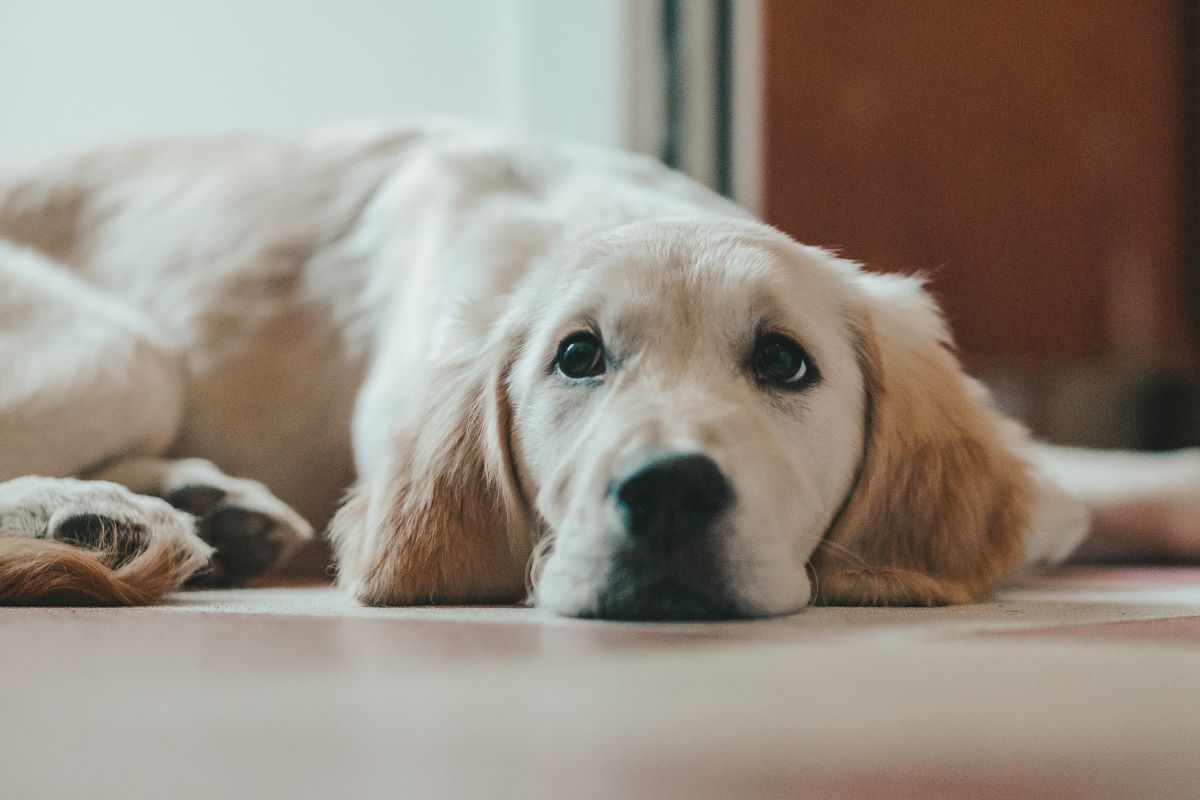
{"points": [[673, 498]]}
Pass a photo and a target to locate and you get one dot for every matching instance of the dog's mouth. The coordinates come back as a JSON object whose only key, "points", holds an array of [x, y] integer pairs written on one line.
{"points": [[641, 586], [673, 511], [660, 600]]}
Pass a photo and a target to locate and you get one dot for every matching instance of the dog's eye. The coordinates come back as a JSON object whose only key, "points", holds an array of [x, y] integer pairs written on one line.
{"points": [[781, 362], [580, 355]]}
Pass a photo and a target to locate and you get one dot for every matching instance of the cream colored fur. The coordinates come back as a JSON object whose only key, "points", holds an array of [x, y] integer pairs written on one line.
{"points": [[379, 305]]}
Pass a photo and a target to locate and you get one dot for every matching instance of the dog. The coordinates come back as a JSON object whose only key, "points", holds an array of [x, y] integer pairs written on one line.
{"points": [[536, 370]]}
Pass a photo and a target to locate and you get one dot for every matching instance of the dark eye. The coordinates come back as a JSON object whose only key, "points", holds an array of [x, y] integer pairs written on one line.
{"points": [[780, 361], [580, 355]]}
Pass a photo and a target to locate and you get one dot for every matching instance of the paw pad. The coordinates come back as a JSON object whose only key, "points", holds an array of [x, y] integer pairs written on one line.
{"points": [[247, 541], [122, 541]]}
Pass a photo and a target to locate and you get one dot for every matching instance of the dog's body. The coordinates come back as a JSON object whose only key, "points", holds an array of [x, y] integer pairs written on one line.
{"points": [[304, 312], [265, 270]]}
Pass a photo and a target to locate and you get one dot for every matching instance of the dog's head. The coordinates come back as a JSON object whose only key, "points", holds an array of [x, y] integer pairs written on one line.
{"points": [[698, 420]]}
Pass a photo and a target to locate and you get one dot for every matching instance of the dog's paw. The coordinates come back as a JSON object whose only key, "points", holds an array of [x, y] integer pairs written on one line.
{"points": [[250, 529], [100, 516]]}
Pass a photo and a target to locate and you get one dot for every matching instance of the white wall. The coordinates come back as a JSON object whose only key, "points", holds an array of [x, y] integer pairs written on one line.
{"points": [[79, 72]]}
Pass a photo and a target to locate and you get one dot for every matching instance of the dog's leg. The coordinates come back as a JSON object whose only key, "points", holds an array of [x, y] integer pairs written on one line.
{"points": [[249, 527], [1144, 506], [84, 376]]}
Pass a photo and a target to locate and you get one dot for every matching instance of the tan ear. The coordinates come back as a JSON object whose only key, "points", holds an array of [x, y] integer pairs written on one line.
{"points": [[442, 520], [942, 500]]}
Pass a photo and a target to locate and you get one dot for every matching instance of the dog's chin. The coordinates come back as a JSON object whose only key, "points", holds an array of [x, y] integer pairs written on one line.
{"points": [[621, 587], [631, 583], [649, 599], [661, 601]]}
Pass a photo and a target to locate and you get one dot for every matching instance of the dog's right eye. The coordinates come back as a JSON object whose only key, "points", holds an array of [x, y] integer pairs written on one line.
{"points": [[580, 355]]}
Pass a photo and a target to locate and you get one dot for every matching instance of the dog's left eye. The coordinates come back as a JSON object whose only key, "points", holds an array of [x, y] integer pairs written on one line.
{"points": [[780, 361], [580, 355]]}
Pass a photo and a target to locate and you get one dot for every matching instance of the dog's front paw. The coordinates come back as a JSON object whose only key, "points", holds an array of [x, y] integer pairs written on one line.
{"points": [[250, 529], [100, 516]]}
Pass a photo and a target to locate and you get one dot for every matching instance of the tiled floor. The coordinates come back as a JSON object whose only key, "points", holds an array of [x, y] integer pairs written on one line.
{"points": [[1085, 684]]}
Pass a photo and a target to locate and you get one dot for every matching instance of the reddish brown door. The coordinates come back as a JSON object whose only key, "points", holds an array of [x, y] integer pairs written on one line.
{"points": [[1028, 155]]}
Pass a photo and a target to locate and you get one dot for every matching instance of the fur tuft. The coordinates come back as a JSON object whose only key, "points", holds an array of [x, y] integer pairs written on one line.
{"points": [[46, 572]]}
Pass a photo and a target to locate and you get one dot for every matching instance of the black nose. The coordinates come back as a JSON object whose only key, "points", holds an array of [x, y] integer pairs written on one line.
{"points": [[673, 499]]}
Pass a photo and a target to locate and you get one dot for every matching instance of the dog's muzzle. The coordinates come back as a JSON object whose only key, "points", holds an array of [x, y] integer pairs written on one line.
{"points": [[665, 566]]}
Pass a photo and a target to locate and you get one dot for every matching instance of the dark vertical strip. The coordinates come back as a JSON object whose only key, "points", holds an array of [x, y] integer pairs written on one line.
{"points": [[673, 88], [1168, 407], [1190, 29], [723, 97]]}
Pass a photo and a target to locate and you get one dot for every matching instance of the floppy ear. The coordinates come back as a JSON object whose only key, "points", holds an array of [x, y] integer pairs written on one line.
{"points": [[442, 520], [942, 500]]}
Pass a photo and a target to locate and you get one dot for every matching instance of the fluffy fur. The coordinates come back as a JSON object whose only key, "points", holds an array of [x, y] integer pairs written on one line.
{"points": [[380, 306], [39, 572], [943, 500]]}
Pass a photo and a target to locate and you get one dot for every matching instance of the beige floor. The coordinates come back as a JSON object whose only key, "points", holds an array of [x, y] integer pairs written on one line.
{"points": [[1083, 685]]}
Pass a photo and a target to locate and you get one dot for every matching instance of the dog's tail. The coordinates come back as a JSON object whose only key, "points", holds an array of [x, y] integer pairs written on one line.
{"points": [[48, 572]]}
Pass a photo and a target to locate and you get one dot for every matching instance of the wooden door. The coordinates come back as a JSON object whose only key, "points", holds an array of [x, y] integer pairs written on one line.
{"points": [[1031, 157]]}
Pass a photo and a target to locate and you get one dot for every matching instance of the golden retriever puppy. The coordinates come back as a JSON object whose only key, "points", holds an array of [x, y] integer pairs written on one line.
{"points": [[550, 373]]}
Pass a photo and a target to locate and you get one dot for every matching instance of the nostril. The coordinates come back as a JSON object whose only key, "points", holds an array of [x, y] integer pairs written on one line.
{"points": [[695, 501], [679, 495]]}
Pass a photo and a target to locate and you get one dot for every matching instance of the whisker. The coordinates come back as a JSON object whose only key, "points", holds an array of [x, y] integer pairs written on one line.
{"points": [[542, 550], [816, 583], [841, 549]]}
